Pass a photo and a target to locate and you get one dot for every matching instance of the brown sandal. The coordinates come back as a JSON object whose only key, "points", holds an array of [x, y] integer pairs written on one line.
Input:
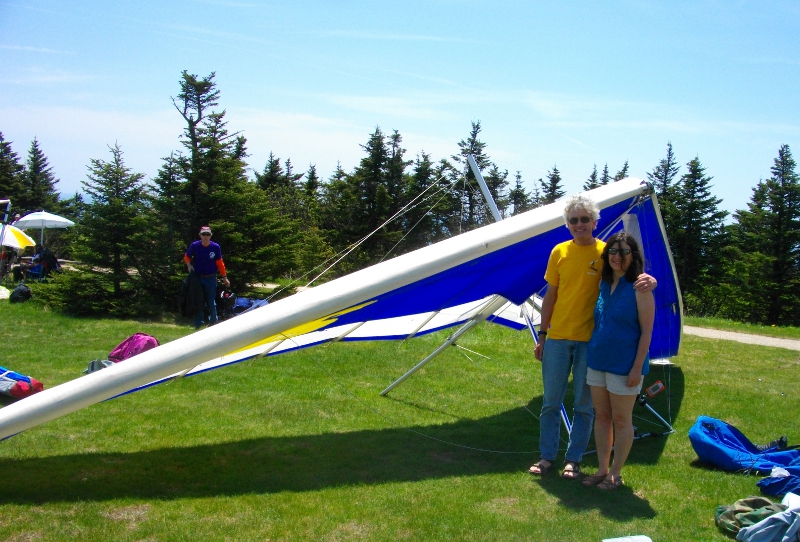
{"points": [[574, 471], [594, 479], [611, 485]]}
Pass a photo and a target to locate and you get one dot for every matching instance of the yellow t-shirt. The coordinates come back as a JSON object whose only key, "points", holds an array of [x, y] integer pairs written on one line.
{"points": [[575, 270]]}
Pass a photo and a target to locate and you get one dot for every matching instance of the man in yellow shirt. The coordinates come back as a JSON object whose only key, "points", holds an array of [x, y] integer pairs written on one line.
{"points": [[573, 284]]}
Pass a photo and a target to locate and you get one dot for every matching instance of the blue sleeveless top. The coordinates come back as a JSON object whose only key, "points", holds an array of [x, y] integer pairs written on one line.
{"points": [[615, 338]]}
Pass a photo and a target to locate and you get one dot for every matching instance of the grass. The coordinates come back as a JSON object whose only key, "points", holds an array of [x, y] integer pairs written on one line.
{"points": [[782, 332], [301, 446]]}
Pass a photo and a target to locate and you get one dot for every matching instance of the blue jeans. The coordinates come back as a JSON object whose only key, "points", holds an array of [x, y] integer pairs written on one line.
{"points": [[210, 293], [558, 359]]}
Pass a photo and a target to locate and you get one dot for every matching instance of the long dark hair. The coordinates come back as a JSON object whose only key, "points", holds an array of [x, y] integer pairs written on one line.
{"points": [[637, 261]]}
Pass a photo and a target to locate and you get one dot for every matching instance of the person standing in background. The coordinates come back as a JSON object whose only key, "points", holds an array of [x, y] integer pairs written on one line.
{"points": [[204, 259]]}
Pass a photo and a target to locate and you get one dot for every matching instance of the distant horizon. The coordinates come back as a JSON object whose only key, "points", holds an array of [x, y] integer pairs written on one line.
{"points": [[567, 86]]}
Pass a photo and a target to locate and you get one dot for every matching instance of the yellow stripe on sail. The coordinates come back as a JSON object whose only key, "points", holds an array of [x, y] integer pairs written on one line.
{"points": [[302, 329]]}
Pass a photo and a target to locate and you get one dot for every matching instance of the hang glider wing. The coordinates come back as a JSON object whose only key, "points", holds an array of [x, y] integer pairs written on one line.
{"points": [[426, 290]]}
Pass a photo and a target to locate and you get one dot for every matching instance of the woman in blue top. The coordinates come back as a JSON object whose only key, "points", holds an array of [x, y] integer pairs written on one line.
{"points": [[617, 356]]}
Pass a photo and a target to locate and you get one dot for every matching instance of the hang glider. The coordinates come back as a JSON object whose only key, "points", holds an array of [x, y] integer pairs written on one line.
{"points": [[490, 274]]}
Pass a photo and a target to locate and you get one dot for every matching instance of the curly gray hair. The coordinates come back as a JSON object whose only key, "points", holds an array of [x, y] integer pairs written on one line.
{"points": [[581, 201]]}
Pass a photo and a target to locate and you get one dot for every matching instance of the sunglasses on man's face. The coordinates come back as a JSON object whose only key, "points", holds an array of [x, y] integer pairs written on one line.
{"points": [[205, 234], [584, 220], [615, 251]]}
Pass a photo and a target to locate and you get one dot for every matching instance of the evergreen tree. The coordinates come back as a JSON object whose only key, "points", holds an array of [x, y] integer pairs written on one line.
{"points": [[771, 227], [291, 178], [622, 173], [536, 194], [339, 214], [210, 187], [497, 183], [663, 175], [663, 180], [699, 236], [593, 181], [474, 211], [518, 197], [273, 174], [38, 183], [605, 178], [109, 222], [311, 186], [420, 221], [395, 173], [552, 189], [11, 171]]}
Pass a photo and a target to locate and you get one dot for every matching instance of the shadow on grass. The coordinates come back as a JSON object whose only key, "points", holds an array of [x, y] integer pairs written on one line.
{"points": [[620, 505], [308, 463], [623, 504]]}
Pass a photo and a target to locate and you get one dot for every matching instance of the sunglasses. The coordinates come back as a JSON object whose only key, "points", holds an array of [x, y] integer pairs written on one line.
{"points": [[205, 234], [615, 251], [584, 220]]}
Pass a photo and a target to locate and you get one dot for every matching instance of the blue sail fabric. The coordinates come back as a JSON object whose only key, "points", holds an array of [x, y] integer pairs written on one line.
{"points": [[721, 444]]}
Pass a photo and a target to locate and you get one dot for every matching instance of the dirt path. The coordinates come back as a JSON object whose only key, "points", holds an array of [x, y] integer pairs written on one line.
{"points": [[791, 344]]}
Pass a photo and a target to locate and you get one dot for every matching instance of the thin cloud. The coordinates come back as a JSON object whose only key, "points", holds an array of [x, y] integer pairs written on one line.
{"points": [[36, 75], [27, 48], [387, 36]]}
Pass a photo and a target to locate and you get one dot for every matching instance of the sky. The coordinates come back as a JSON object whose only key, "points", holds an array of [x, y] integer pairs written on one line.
{"points": [[569, 84]]}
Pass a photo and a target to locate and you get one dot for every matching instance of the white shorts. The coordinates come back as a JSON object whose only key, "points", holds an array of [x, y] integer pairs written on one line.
{"points": [[616, 384]]}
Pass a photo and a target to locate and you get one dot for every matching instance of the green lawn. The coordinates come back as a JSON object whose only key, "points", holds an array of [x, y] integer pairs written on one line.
{"points": [[301, 446]]}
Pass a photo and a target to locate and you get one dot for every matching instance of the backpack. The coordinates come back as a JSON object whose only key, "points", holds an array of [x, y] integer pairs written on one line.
{"points": [[20, 294], [744, 513], [17, 385], [190, 296], [135, 344]]}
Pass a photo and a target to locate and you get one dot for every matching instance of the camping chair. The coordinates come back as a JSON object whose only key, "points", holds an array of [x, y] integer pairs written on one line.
{"points": [[47, 263]]}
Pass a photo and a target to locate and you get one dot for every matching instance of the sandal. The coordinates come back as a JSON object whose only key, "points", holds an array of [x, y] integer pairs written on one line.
{"points": [[540, 469], [594, 479], [611, 485], [572, 470]]}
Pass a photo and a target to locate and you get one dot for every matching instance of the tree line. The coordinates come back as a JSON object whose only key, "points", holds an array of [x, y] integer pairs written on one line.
{"points": [[280, 223]]}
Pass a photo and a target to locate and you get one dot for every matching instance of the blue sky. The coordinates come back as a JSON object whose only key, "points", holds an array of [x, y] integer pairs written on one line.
{"points": [[569, 84]]}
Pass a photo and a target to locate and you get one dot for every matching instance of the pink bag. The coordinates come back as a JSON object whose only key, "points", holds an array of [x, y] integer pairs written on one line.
{"points": [[135, 344]]}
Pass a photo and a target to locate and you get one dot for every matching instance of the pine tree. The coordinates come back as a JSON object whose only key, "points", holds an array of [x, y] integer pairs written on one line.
{"points": [[552, 189], [311, 186], [592, 182], [700, 234], [11, 171], [475, 213], [497, 183], [622, 173], [421, 219], [38, 183], [110, 220], [518, 197], [210, 186], [536, 194], [273, 174], [663, 180], [605, 178], [771, 227], [663, 175]]}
